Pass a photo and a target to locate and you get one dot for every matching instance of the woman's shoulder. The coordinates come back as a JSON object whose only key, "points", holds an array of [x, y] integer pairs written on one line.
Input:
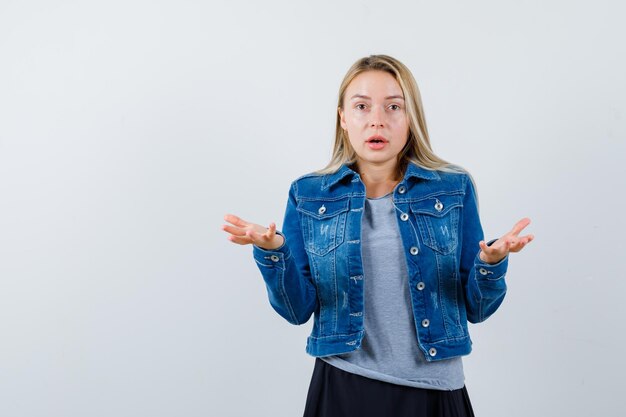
{"points": [[452, 169], [442, 179], [323, 183], [307, 183], [455, 173], [308, 179], [443, 172], [325, 175], [459, 176]]}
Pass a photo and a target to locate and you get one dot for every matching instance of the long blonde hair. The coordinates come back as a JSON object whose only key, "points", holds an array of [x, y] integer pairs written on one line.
{"points": [[417, 148]]}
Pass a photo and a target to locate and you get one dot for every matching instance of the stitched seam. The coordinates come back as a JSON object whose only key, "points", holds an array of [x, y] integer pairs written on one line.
{"points": [[312, 199], [337, 335], [495, 279], [334, 272], [442, 305], [265, 265], [429, 196], [319, 297], [283, 291], [479, 301]]}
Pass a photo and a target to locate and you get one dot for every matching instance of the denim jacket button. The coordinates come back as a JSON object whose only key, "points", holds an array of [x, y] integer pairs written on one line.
{"points": [[438, 205], [275, 258], [420, 286], [414, 250], [432, 352], [402, 189], [322, 210], [404, 217], [425, 323], [482, 271]]}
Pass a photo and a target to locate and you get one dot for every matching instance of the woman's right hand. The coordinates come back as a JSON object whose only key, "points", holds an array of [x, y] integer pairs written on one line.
{"points": [[244, 233]]}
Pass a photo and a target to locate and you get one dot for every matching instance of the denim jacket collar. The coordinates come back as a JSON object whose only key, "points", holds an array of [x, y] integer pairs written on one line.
{"points": [[412, 171]]}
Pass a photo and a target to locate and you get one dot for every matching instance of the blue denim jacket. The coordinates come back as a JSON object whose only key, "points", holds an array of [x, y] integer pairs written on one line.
{"points": [[318, 270]]}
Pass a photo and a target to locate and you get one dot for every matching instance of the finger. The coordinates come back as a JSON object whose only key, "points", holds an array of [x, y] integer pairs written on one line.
{"points": [[501, 246], [492, 248], [495, 246], [516, 246], [237, 221], [256, 237], [488, 250], [523, 240], [271, 231], [497, 250], [234, 230], [240, 240], [483, 250], [519, 226]]}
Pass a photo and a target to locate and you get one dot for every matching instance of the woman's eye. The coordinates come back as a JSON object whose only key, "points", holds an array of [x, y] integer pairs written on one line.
{"points": [[394, 107], [360, 106]]}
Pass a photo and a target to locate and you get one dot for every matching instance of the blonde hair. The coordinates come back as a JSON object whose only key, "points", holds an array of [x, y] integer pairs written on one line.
{"points": [[417, 148]]}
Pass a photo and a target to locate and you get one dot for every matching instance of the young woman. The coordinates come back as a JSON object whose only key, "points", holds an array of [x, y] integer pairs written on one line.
{"points": [[385, 248]]}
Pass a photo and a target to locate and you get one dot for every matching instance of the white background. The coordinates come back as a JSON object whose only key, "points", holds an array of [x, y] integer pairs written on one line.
{"points": [[129, 128]]}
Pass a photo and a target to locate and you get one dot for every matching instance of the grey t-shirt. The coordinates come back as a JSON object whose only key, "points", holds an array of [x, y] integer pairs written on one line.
{"points": [[389, 350]]}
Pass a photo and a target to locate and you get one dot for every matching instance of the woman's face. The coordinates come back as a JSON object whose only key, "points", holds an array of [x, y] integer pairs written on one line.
{"points": [[375, 118]]}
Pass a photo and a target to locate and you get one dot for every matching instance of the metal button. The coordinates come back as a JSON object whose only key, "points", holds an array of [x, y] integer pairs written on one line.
{"points": [[425, 323], [414, 250], [438, 205], [404, 217], [402, 189], [275, 258], [482, 271], [432, 352], [420, 286], [322, 210]]}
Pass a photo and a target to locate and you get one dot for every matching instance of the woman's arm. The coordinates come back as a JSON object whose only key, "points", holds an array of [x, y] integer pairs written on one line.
{"points": [[282, 260], [484, 265]]}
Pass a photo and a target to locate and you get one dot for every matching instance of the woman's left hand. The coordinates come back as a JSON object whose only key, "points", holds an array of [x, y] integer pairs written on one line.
{"points": [[510, 242]]}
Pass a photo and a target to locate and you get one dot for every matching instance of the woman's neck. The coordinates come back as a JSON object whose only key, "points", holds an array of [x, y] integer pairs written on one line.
{"points": [[378, 180]]}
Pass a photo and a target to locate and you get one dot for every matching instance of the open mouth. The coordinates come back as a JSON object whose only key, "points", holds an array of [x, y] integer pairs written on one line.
{"points": [[377, 139], [377, 143]]}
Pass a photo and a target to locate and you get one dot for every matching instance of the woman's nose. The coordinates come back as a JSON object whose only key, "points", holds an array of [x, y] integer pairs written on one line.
{"points": [[376, 118]]}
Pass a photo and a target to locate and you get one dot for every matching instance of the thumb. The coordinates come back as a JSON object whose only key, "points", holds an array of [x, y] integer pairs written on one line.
{"points": [[271, 231]]}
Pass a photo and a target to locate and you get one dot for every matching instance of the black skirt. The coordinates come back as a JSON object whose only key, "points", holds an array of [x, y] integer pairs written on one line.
{"points": [[336, 393]]}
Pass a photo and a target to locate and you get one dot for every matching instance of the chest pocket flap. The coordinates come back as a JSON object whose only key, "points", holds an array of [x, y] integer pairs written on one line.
{"points": [[323, 224], [437, 218]]}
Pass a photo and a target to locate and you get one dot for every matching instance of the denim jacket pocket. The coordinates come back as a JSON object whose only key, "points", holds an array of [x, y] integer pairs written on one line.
{"points": [[437, 219], [323, 224]]}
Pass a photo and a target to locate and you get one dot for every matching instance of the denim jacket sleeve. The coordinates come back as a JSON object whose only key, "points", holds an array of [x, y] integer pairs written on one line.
{"points": [[286, 270], [483, 283]]}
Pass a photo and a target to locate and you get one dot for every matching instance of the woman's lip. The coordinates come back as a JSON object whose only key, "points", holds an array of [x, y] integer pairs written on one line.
{"points": [[377, 137], [376, 145]]}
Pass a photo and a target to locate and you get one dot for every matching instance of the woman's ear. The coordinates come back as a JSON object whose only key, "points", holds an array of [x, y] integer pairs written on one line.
{"points": [[342, 120]]}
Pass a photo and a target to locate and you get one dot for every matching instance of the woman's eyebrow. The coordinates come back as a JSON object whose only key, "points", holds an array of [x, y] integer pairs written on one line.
{"points": [[369, 98]]}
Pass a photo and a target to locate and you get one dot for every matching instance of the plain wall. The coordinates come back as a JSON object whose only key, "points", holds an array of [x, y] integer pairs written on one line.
{"points": [[129, 128]]}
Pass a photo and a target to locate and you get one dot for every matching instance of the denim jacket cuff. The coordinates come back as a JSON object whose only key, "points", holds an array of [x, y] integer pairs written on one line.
{"points": [[491, 271], [272, 256]]}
